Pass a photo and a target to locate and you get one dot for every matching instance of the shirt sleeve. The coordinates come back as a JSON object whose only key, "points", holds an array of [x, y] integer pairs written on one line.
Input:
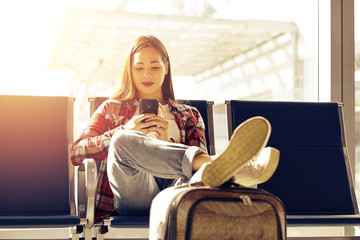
{"points": [[95, 139], [196, 133]]}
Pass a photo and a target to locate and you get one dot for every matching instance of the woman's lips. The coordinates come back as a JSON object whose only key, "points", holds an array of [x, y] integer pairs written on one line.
{"points": [[147, 84]]}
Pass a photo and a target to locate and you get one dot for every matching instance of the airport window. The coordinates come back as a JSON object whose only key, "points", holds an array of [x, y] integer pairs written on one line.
{"points": [[219, 50]]}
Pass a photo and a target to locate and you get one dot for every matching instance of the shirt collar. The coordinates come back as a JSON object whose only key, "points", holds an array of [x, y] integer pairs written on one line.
{"points": [[173, 106]]}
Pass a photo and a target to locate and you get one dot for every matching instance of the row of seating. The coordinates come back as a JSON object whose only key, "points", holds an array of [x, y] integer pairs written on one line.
{"points": [[40, 188], [36, 180]]}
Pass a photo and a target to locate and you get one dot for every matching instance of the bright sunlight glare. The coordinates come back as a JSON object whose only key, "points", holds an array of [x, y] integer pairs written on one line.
{"points": [[25, 42], [24, 25]]}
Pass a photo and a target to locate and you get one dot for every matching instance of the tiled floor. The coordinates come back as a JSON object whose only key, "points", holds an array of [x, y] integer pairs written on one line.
{"points": [[294, 233]]}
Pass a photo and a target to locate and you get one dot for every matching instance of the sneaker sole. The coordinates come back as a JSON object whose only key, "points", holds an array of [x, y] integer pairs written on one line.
{"points": [[246, 142], [269, 170]]}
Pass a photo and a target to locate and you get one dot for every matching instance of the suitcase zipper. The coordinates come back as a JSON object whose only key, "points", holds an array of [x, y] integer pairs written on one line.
{"points": [[246, 200]]}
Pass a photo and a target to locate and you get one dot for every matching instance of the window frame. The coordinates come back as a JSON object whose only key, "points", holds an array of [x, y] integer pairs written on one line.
{"points": [[343, 67]]}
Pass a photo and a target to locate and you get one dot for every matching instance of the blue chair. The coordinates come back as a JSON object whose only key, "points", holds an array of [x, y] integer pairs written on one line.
{"points": [[36, 182], [313, 178], [137, 226]]}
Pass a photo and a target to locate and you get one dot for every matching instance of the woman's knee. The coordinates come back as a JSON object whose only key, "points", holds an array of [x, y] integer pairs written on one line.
{"points": [[123, 139], [119, 152], [123, 144]]}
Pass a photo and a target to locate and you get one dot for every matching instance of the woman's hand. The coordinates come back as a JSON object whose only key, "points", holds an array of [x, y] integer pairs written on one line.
{"points": [[150, 122], [138, 122], [161, 129]]}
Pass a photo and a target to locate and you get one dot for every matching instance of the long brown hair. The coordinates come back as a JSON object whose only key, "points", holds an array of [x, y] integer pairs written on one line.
{"points": [[126, 91]]}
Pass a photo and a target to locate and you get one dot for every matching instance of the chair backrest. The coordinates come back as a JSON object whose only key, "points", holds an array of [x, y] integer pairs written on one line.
{"points": [[313, 176], [34, 147], [205, 108]]}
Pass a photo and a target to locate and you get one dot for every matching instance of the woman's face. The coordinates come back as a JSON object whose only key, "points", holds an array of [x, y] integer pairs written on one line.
{"points": [[148, 72]]}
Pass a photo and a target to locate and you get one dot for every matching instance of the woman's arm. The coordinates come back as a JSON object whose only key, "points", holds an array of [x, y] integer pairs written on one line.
{"points": [[95, 139]]}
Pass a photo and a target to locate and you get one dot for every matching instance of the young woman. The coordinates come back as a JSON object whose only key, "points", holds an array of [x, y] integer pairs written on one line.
{"points": [[141, 154]]}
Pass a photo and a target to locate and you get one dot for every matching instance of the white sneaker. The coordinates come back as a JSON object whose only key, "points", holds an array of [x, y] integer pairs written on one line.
{"points": [[248, 139], [259, 169]]}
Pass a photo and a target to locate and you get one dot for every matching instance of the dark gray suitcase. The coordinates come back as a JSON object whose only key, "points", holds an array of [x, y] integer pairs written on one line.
{"points": [[217, 213]]}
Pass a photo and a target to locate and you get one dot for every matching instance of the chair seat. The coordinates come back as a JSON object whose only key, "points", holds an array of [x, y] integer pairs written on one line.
{"points": [[323, 220], [39, 221]]}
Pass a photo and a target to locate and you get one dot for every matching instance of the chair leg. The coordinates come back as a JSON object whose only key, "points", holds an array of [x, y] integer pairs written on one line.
{"points": [[100, 232], [75, 232], [81, 233], [88, 233], [349, 231]]}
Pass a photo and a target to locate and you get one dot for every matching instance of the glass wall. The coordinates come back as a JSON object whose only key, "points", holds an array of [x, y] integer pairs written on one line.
{"points": [[277, 57], [219, 50], [280, 66]]}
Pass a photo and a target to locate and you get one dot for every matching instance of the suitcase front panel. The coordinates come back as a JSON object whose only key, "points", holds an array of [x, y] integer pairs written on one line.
{"points": [[231, 219], [227, 214]]}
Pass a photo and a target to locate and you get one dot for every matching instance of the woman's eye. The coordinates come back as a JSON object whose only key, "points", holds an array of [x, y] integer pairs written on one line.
{"points": [[156, 68], [138, 69]]}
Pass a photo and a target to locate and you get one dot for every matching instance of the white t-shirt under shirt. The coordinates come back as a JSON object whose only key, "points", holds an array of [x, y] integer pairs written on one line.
{"points": [[173, 127]]}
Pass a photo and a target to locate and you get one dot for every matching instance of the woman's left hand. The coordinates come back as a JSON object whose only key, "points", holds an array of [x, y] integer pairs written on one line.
{"points": [[160, 125]]}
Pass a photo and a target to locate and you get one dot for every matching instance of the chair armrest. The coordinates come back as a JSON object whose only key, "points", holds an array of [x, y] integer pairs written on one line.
{"points": [[86, 191]]}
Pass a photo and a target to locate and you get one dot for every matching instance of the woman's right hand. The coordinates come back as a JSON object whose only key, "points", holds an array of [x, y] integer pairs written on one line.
{"points": [[138, 123]]}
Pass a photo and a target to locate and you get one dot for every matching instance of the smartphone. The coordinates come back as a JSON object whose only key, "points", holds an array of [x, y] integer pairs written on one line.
{"points": [[149, 106]]}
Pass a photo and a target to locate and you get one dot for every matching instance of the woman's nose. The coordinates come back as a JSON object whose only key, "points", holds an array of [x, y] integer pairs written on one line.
{"points": [[147, 74]]}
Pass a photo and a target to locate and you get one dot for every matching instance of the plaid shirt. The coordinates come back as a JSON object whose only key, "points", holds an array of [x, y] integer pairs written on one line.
{"points": [[109, 118]]}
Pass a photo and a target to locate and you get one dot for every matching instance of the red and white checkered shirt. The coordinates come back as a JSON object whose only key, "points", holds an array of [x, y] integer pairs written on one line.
{"points": [[107, 119]]}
